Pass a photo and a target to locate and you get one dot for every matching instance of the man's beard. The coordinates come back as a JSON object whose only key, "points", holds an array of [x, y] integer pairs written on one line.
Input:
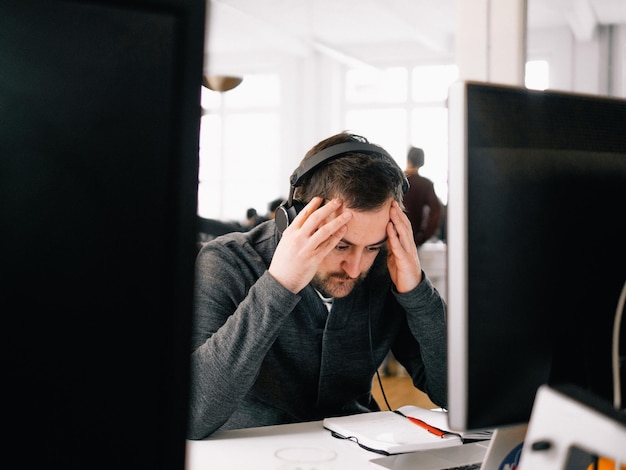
{"points": [[336, 285]]}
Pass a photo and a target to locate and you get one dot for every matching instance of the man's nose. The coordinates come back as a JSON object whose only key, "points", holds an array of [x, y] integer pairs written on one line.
{"points": [[352, 265]]}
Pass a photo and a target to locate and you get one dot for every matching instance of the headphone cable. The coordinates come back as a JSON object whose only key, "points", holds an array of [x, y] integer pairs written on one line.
{"points": [[369, 328]]}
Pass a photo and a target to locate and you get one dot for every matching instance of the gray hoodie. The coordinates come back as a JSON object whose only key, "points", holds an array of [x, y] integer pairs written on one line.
{"points": [[262, 355]]}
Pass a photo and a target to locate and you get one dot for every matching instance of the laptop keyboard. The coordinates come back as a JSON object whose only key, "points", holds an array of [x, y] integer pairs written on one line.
{"points": [[473, 466]]}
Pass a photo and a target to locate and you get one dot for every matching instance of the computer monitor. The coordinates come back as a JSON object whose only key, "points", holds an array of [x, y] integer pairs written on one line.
{"points": [[99, 124], [536, 247]]}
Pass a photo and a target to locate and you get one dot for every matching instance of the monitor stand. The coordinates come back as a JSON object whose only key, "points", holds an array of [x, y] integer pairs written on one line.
{"points": [[505, 448]]}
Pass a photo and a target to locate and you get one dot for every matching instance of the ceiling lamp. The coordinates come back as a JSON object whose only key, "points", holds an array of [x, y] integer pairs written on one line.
{"points": [[220, 82]]}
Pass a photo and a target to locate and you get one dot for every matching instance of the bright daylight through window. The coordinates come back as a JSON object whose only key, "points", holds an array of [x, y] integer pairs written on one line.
{"points": [[395, 107]]}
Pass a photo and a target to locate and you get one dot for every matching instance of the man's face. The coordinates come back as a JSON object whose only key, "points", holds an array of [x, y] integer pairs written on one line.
{"points": [[348, 264]]}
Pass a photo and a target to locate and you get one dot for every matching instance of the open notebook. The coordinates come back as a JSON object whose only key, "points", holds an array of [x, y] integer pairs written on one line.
{"points": [[389, 432]]}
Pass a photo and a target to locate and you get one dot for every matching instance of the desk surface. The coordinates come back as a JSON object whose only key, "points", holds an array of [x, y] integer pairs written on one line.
{"points": [[254, 448]]}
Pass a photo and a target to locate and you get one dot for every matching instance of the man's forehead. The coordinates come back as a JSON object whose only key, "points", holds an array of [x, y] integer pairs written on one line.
{"points": [[367, 228]]}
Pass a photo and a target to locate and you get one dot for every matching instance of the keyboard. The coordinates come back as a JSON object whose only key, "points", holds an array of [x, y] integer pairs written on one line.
{"points": [[473, 466], [465, 457]]}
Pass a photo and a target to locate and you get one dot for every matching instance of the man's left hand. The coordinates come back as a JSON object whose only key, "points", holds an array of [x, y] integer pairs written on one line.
{"points": [[402, 260]]}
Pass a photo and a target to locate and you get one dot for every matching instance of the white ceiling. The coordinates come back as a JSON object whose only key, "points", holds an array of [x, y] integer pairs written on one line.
{"points": [[364, 30]]}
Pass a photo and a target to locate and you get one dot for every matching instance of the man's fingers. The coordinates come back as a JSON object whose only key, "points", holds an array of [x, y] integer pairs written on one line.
{"points": [[315, 212]]}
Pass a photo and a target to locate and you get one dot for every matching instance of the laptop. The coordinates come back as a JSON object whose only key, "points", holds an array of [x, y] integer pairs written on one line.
{"points": [[436, 459]]}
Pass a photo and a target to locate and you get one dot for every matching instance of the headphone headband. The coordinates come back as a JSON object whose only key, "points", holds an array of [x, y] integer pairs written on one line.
{"points": [[329, 153], [290, 208]]}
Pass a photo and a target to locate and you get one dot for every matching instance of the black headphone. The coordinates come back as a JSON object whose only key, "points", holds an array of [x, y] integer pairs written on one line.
{"points": [[289, 209]]}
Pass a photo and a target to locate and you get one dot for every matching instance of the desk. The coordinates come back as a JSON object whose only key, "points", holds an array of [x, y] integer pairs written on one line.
{"points": [[242, 449], [254, 448]]}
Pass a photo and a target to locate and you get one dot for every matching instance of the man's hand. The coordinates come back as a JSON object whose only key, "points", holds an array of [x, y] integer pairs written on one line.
{"points": [[402, 260], [305, 243]]}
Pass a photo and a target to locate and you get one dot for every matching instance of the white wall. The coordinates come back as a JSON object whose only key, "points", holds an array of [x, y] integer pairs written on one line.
{"points": [[595, 66]]}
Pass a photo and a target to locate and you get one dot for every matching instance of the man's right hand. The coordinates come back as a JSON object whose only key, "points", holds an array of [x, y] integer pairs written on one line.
{"points": [[313, 234]]}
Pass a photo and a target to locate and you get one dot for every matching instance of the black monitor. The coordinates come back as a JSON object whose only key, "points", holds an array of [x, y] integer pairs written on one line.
{"points": [[99, 124], [536, 247]]}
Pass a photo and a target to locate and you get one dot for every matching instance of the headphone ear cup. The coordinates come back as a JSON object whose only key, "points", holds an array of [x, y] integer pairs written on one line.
{"points": [[286, 213]]}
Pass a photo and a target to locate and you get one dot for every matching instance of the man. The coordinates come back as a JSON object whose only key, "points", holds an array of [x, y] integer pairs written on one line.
{"points": [[292, 326], [253, 218], [421, 202]]}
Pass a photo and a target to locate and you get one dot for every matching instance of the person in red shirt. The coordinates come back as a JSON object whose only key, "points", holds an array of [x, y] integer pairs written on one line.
{"points": [[421, 203]]}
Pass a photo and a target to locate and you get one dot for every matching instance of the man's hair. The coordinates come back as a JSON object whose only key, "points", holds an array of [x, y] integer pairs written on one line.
{"points": [[416, 157], [365, 181]]}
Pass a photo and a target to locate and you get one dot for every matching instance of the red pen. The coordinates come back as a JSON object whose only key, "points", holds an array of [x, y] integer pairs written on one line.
{"points": [[422, 424], [428, 427]]}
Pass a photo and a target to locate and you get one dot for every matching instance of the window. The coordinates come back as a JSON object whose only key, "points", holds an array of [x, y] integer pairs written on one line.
{"points": [[537, 75], [396, 107], [239, 148], [401, 107], [371, 85]]}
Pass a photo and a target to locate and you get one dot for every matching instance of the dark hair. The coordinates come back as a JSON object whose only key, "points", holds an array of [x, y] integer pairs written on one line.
{"points": [[365, 181], [273, 205], [416, 157]]}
